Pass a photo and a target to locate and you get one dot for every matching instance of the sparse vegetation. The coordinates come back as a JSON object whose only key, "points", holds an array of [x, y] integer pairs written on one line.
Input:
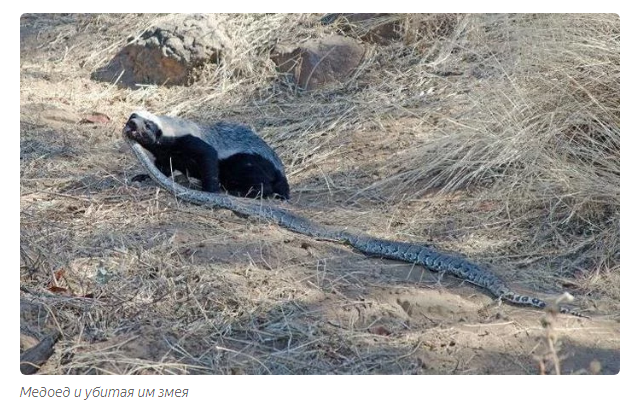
{"points": [[495, 136]]}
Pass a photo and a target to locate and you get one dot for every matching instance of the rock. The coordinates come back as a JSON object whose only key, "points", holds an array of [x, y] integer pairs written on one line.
{"points": [[317, 63], [168, 53], [381, 28]]}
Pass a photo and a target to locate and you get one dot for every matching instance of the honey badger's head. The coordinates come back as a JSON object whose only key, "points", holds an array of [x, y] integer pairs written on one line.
{"points": [[146, 128], [143, 127]]}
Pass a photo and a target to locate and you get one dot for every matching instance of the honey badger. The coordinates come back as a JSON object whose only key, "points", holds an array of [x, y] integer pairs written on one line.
{"points": [[223, 156]]}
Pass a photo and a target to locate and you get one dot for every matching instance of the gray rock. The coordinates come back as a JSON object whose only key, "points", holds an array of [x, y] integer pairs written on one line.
{"points": [[317, 63], [168, 53]]}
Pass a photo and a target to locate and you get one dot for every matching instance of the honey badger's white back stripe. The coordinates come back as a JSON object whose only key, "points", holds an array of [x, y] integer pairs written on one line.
{"points": [[172, 126]]}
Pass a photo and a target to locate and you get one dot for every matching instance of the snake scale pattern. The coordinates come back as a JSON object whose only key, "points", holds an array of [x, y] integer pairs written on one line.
{"points": [[412, 253]]}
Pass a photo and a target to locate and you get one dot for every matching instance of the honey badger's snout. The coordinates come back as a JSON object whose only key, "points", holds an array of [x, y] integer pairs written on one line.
{"points": [[133, 122]]}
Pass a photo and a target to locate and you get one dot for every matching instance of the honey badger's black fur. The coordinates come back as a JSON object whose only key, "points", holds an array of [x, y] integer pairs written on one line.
{"points": [[226, 156]]}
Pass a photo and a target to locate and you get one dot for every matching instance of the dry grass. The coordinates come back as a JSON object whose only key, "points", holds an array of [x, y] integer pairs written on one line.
{"points": [[495, 136]]}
